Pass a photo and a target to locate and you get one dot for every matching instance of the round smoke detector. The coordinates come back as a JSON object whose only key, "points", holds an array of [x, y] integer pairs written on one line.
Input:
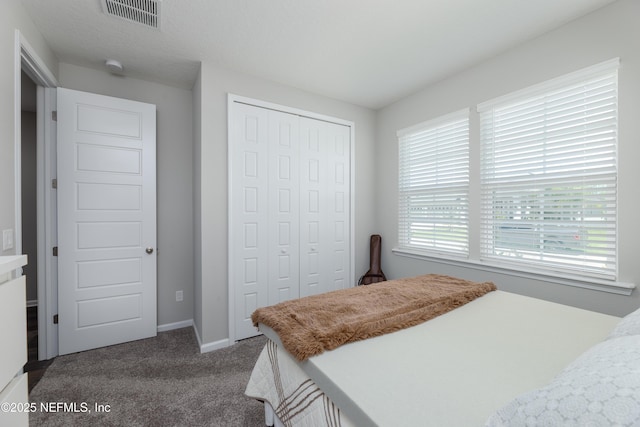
{"points": [[114, 66]]}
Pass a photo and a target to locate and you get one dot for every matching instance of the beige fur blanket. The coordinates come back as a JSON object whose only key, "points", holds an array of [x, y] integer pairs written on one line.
{"points": [[311, 325]]}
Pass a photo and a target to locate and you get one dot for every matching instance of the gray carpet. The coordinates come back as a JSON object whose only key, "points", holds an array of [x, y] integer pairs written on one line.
{"points": [[161, 381]]}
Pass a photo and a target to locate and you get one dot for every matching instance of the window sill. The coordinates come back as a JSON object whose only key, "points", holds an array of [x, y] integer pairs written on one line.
{"points": [[619, 288]]}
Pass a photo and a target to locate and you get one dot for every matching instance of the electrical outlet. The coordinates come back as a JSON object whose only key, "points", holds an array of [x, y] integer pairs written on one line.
{"points": [[7, 239], [178, 296]]}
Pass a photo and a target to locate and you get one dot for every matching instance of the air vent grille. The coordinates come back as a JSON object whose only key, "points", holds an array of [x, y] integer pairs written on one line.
{"points": [[144, 12]]}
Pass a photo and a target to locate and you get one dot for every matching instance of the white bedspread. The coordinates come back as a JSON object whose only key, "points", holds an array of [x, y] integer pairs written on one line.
{"points": [[296, 400], [456, 369]]}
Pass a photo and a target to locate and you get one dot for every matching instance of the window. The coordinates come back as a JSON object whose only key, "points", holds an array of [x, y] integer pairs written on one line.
{"points": [[434, 185], [548, 176]]}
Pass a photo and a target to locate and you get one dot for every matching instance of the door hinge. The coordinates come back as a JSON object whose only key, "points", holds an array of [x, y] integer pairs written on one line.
{"points": [[55, 251], [54, 116], [55, 319], [54, 183]]}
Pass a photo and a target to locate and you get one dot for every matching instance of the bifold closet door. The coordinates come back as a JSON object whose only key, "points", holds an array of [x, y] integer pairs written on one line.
{"points": [[283, 210], [324, 206], [289, 235], [265, 198], [249, 201]]}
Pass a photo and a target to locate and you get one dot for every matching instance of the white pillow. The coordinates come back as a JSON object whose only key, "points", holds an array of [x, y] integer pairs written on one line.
{"points": [[599, 388], [629, 325]]}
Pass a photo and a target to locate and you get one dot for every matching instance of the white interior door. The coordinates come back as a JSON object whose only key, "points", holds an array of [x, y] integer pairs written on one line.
{"points": [[249, 201], [338, 192], [290, 209], [325, 250], [106, 220], [283, 215], [265, 242], [313, 207]]}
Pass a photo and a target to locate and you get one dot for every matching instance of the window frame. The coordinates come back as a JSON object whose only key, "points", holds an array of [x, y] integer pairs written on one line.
{"points": [[474, 260], [564, 244], [440, 129]]}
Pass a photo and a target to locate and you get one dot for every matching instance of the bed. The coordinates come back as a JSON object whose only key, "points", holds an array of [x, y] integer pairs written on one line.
{"points": [[498, 359]]}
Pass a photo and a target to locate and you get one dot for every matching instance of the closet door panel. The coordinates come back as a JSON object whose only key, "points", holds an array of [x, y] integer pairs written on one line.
{"points": [[338, 209], [284, 200], [313, 206], [290, 209], [249, 198]]}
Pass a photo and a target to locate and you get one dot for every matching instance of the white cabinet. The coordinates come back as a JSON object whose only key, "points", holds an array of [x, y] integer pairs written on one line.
{"points": [[289, 219], [16, 395], [13, 335]]}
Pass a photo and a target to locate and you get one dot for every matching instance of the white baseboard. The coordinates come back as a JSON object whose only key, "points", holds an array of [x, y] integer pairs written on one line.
{"points": [[216, 345], [175, 325], [210, 346]]}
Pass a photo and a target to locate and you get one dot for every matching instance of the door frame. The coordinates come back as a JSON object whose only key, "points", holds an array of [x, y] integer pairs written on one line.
{"points": [[26, 58], [232, 99]]}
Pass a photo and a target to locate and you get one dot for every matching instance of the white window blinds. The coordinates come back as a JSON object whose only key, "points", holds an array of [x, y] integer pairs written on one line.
{"points": [[548, 176], [434, 185]]}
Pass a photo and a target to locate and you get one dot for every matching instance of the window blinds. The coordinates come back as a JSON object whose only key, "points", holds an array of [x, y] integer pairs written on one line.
{"points": [[434, 185], [548, 176]]}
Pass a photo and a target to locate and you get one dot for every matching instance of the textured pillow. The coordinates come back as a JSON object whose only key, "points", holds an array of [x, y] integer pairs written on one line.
{"points": [[629, 325], [600, 388]]}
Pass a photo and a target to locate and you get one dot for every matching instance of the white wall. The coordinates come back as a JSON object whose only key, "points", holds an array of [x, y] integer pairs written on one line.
{"points": [[607, 33], [215, 83], [13, 17], [174, 178]]}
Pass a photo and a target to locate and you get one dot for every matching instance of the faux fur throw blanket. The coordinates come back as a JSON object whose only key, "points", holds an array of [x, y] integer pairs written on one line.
{"points": [[311, 325]]}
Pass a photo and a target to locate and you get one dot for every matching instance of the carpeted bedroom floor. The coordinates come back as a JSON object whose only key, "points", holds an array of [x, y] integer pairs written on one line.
{"points": [[161, 381]]}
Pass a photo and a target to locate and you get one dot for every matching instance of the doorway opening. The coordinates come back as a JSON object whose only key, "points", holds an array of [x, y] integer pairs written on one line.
{"points": [[29, 231], [34, 95]]}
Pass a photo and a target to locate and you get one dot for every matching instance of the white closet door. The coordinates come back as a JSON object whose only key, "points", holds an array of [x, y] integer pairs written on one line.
{"points": [[313, 206], [283, 207], [338, 212], [325, 206], [249, 197], [290, 209]]}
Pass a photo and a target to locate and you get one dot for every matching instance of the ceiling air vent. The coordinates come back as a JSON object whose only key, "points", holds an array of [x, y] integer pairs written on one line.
{"points": [[144, 12]]}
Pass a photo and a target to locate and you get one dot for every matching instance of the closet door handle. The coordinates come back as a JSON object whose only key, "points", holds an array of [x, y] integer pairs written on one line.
{"points": [[149, 250]]}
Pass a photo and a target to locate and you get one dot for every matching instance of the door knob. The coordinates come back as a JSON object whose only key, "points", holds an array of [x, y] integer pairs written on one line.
{"points": [[149, 251]]}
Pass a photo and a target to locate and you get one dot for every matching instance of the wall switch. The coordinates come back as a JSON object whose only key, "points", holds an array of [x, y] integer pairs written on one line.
{"points": [[7, 239], [178, 296]]}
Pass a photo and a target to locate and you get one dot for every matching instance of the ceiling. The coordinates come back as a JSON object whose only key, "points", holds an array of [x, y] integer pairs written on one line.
{"points": [[365, 52]]}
